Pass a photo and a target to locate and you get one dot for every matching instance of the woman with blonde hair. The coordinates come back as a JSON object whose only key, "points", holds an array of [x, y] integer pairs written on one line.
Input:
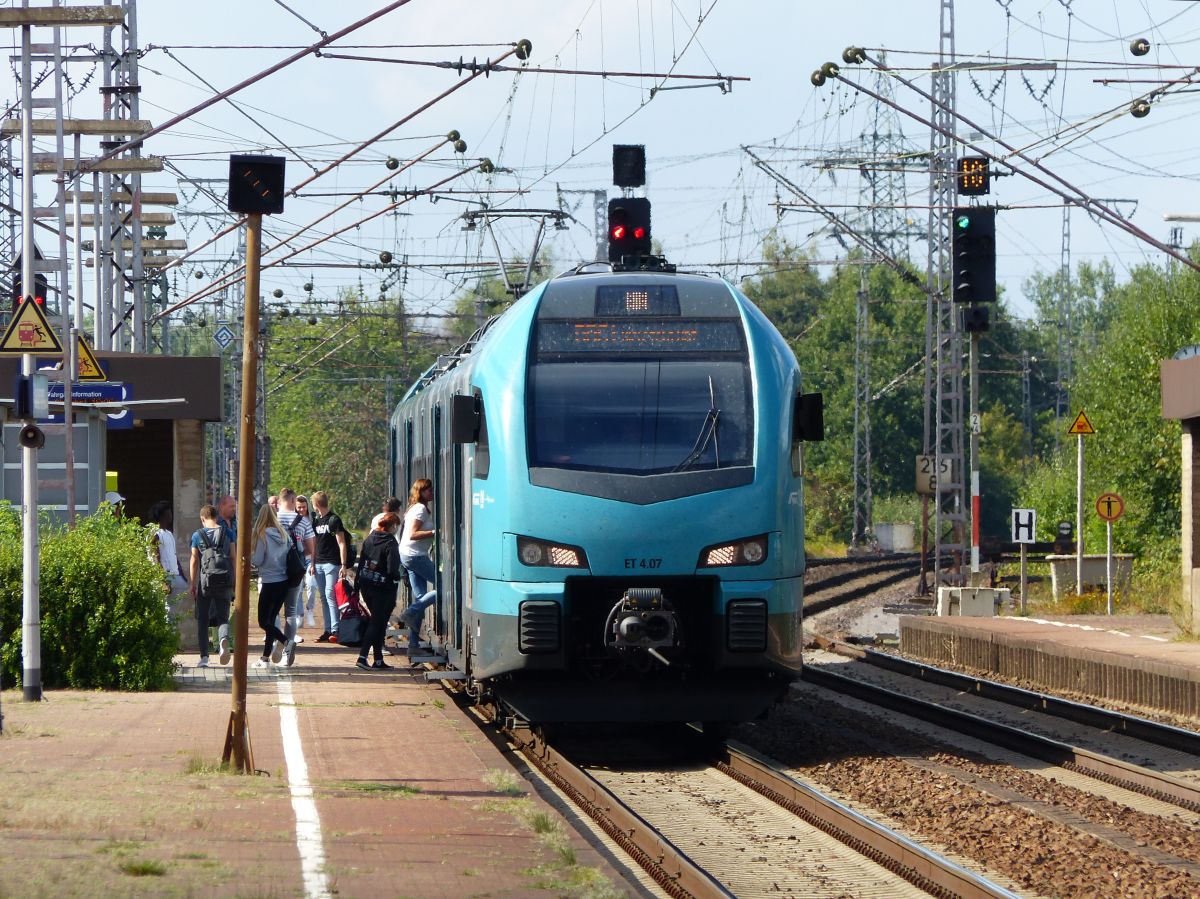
{"points": [[270, 558]]}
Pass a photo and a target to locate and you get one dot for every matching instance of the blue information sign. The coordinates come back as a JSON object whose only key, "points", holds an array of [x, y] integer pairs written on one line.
{"points": [[86, 394]]}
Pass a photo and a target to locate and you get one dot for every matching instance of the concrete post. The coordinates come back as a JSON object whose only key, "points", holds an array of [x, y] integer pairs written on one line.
{"points": [[1189, 533]]}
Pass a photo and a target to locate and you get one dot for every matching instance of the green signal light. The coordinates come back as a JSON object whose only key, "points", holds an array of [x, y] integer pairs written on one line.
{"points": [[962, 222]]}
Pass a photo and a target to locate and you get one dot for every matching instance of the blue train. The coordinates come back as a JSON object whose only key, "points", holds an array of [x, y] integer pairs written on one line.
{"points": [[619, 510]]}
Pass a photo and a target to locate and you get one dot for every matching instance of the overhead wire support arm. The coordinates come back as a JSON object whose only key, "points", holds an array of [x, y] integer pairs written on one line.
{"points": [[243, 84], [483, 165], [905, 273], [1068, 192], [226, 280], [488, 66]]}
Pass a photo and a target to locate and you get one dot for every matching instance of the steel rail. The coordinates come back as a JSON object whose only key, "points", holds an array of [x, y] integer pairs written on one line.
{"points": [[926, 870], [1139, 728], [669, 866], [1135, 778]]}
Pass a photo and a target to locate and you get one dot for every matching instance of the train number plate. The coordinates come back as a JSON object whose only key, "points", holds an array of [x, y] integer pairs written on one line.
{"points": [[643, 563]]}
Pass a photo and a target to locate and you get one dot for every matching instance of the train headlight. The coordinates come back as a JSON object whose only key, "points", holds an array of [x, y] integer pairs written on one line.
{"points": [[747, 551], [543, 554]]}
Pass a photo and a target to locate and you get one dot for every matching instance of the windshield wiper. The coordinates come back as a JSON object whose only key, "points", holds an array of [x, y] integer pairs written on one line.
{"points": [[707, 435]]}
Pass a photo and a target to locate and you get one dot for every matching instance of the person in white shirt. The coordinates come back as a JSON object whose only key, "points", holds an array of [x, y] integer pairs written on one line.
{"points": [[166, 555], [416, 541], [300, 529]]}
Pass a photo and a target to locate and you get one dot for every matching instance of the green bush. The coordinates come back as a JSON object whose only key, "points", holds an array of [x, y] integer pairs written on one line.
{"points": [[103, 605]]}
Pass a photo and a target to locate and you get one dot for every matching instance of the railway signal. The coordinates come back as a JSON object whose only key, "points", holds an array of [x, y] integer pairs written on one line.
{"points": [[629, 165], [628, 228], [974, 177], [974, 254], [41, 287]]}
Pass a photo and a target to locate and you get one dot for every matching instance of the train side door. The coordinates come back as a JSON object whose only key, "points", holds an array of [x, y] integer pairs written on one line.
{"points": [[441, 522], [461, 490]]}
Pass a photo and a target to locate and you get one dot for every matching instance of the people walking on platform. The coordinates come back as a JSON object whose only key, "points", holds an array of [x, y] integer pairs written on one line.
{"points": [[378, 574], [416, 540], [333, 547], [309, 593], [165, 552], [227, 512], [269, 556], [300, 529], [211, 571]]}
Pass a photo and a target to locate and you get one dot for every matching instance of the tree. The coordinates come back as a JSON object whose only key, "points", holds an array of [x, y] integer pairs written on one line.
{"points": [[331, 389]]}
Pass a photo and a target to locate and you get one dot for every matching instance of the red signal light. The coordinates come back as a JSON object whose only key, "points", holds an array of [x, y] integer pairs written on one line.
{"points": [[618, 232], [639, 233]]}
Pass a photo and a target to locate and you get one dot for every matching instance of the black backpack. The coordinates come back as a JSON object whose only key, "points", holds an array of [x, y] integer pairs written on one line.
{"points": [[216, 570], [295, 561]]}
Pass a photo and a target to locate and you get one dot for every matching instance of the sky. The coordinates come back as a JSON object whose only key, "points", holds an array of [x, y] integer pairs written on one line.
{"points": [[550, 135]]}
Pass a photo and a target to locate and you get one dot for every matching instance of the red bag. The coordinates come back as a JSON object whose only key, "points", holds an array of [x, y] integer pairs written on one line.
{"points": [[348, 602]]}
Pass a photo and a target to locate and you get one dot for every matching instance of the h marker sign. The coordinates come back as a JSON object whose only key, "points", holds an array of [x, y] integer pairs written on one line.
{"points": [[1024, 525]]}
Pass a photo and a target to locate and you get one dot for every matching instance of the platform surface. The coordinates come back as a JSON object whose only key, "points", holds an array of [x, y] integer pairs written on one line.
{"points": [[372, 784], [1138, 659]]}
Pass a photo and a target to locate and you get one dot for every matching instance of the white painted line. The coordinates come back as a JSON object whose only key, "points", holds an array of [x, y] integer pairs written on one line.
{"points": [[1088, 627], [308, 823]]}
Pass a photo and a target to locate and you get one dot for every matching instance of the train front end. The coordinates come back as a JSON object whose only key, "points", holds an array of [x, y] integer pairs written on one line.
{"points": [[648, 505]]}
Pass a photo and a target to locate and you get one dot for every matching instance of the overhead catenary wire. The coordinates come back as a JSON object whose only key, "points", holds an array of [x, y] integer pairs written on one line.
{"points": [[140, 139], [229, 281], [1068, 191]]}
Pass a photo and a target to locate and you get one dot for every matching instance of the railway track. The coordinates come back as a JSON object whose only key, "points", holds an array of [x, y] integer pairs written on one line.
{"points": [[1108, 720], [1119, 773], [730, 823], [829, 583]]}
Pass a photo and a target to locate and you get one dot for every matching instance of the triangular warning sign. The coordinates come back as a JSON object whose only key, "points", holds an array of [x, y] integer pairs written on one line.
{"points": [[87, 365], [1081, 425], [29, 332]]}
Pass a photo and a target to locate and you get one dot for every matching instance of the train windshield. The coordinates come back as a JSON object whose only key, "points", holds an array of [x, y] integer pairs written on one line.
{"points": [[596, 411]]}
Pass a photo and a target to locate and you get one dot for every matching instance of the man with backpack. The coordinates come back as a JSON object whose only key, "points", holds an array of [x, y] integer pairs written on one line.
{"points": [[212, 582], [299, 528]]}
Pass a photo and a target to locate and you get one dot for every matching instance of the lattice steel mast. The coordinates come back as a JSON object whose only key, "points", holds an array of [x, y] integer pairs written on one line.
{"points": [[943, 431]]}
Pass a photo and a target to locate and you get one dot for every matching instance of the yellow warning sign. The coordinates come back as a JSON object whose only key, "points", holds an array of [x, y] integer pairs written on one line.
{"points": [[87, 365], [1081, 425], [29, 332]]}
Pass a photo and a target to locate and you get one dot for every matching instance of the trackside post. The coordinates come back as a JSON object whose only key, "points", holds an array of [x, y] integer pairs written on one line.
{"points": [[255, 189]]}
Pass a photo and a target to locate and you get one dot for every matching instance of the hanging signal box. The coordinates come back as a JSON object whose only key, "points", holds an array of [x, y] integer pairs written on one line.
{"points": [[256, 184], [629, 165], [974, 176], [974, 254]]}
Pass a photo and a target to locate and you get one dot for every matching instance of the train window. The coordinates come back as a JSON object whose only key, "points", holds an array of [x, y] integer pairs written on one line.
{"points": [[636, 299], [483, 455], [561, 336], [641, 417]]}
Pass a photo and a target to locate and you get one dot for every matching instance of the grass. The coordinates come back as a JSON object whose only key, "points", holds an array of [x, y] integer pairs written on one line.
{"points": [[504, 782], [374, 787], [119, 847], [143, 868], [198, 764]]}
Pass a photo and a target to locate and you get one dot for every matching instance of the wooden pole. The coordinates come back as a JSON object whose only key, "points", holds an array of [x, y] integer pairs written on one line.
{"points": [[237, 737]]}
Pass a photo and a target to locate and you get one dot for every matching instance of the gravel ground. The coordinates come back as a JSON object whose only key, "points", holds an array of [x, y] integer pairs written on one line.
{"points": [[1080, 845]]}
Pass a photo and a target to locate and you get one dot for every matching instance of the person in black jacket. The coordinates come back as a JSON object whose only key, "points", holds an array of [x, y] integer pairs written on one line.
{"points": [[378, 574]]}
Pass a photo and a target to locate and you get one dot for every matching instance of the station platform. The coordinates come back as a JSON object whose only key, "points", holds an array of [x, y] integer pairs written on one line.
{"points": [[1138, 660], [370, 783]]}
